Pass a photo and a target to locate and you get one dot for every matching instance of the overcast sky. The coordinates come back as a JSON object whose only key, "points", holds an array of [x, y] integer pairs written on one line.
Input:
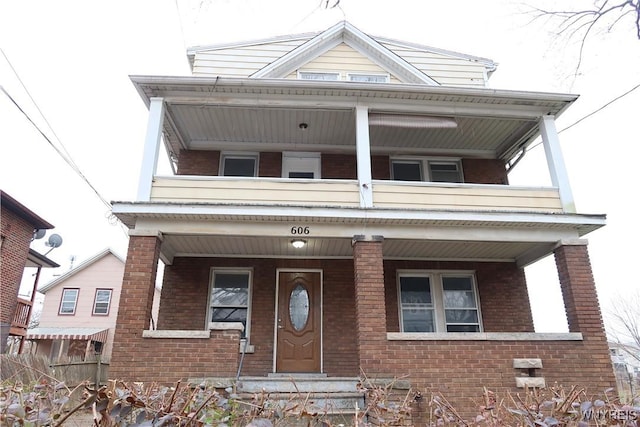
{"points": [[75, 57]]}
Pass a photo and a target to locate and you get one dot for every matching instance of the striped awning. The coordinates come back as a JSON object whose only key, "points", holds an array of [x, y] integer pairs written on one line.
{"points": [[93, 334]]}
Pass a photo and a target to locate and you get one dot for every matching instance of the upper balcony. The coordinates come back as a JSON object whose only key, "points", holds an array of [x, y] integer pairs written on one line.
{"points": [[355, 153]]}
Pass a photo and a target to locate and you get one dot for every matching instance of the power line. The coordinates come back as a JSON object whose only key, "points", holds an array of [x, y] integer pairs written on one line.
{"points": [[601, 108], [64, 155], [62, 151], [586, 116]]}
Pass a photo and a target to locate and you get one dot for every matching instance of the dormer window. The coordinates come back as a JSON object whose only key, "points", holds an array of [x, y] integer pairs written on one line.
{"points": [[239, 165], [432, 170]]}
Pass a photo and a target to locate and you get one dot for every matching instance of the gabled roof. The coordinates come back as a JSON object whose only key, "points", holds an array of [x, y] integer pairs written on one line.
{"points": [[87, 263], [8, 202], [315, 44]]}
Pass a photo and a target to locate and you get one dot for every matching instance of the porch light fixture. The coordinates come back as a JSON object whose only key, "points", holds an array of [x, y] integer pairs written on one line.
{"points": [[298, 243], [412, 121]]}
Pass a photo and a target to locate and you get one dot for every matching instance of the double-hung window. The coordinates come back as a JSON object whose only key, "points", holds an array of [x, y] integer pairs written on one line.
{"points": [[239, 165], [102, 302], [433, 301], [230, 297], [69, 301], [420, 169]]}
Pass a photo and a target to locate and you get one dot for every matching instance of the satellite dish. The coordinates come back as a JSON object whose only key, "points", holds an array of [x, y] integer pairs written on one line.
{"points": [[54, 241], [39, 233]]}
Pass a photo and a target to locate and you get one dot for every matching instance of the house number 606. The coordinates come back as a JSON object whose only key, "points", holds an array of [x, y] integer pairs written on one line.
{"points": [[299, 230]]}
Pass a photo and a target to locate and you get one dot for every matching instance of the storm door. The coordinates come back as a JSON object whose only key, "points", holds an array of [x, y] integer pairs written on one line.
{"points": [[299, 322]]}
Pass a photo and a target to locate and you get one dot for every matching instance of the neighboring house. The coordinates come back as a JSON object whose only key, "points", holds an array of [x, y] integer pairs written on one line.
{"points": [[19, 226], [626, 363], [342, 203], [80, 310]]}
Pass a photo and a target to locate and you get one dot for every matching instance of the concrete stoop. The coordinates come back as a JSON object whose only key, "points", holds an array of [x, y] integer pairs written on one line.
{"points": [[301, 400]]}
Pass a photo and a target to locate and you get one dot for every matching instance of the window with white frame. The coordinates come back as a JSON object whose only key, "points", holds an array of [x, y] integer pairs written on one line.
{"points": [[426, 169], [431, 301], [368, 78], [230, 297], [239, 165], [102, 302], [318, 75], [69, 301]]}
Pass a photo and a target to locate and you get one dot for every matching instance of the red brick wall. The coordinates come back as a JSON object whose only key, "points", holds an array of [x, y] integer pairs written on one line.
{"points": [[198, 162], [184, 299], [270, 165], [502, 290], [459, 369], [16, 234], [484, 171], [335, 166]]}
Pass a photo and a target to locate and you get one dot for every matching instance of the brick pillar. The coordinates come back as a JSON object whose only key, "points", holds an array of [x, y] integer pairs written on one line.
{"points": [[583, 309], [136, 300], [370, 303]]}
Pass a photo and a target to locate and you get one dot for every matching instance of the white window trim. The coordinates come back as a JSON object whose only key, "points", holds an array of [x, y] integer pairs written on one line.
{"points": [[292, 156], [75, 303], [219, 325], [425, 162], [387, 77], [435, 280], [95, 301], [333, 73], [239, 155]]}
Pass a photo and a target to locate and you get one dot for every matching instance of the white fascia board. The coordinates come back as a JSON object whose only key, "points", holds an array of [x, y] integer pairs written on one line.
{"points": [[287, 213], [347, 230], [346, 102], [302, 54], [384, 57]]}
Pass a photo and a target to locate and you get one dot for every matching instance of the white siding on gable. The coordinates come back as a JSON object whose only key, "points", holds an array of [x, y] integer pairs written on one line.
{"points": [[240, 61], [447, 70], [343, 59]]}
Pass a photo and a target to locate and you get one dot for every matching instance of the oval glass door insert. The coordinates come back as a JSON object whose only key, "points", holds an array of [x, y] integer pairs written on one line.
{"points": [[299, 307]]}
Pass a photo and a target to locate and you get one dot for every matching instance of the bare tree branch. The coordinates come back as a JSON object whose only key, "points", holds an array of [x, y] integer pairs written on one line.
{"points": [[582, 23]]}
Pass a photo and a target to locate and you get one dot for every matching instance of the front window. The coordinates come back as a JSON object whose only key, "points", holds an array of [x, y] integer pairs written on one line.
{"points": [[421, 169], [239, 165], [230, 296], [102, 302], [438, 302], [69, 301]]}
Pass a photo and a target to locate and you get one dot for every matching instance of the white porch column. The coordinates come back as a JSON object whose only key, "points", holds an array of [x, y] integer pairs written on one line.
{"points": [[363, 154], [555, 162], [151, 148]]}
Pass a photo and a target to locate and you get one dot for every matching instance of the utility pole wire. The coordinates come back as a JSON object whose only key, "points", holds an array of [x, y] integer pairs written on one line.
{"points": [[65, 156], [601, 108]]}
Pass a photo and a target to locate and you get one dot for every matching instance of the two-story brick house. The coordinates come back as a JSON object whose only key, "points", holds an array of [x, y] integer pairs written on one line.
{"points": [[19, 226], [342, 203]]}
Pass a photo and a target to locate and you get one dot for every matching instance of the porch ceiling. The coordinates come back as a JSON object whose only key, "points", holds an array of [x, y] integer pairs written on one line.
{"points": [[244, 231], [264, 114], [280, 247]]}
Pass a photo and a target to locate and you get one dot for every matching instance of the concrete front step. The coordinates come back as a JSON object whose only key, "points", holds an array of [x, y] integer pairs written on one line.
{"points": [[297, 384]]}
